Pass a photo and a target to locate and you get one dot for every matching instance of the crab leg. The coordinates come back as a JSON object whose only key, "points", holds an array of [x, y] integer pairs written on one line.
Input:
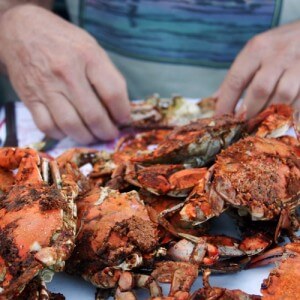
{"points": [[125, 282], [217, 293], [181, 275]]}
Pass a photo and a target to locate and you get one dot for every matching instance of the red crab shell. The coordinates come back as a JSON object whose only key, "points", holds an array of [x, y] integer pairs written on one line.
{"points": [[112, 227]]}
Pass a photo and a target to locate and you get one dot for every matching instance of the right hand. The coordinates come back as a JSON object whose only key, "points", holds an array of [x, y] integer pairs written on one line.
{"points": [[62, 75]]}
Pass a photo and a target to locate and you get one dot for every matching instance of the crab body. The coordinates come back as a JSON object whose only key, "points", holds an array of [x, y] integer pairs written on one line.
{"points": [[259, 176], [114, 230], [195, 144], [29, 244]]}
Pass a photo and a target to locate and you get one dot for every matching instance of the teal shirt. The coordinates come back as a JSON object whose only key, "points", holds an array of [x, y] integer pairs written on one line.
{"points": [[178, 46], [175, 46], [202, 33]]}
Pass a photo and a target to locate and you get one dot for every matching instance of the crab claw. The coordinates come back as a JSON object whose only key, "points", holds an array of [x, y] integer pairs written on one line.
{"points": [[203, 202], [171, 180]]}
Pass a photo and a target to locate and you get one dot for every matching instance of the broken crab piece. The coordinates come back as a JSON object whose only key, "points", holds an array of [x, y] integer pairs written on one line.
{"points": [[37, 220], [140, 143], [114, 232], [121, 284], [211, 250], [258, 176], [217, 293], [197, 143], [156, 112], [171, 180], [181, 275], [199, 252]]}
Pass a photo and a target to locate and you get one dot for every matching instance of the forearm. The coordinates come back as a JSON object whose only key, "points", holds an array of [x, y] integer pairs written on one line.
{"points": [[7, 5]]}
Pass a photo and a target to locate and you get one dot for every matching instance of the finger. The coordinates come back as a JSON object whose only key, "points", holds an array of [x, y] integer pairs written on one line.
{"points": [[261, 88], [92, 112], [68, 120], [111, 88], [296, 104], [288, 87], [236, 80], [43, 120]]}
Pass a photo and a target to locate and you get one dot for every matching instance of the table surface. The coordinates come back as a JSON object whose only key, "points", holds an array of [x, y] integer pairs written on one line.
{"points": [[76, 288]]}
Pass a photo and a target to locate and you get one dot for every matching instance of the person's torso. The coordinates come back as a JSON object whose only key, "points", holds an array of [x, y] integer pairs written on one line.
{"points": [[176, 45]]}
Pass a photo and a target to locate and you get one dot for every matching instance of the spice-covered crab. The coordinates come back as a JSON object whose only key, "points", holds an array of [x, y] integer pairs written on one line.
{"points": [[37, 218], [259, 176]]}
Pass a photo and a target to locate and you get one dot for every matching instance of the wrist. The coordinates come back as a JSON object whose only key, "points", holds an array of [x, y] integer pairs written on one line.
{"points": [[12, 28]]}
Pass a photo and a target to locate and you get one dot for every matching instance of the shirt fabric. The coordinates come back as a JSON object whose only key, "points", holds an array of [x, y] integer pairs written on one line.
{"points": [[177, 46], [155, 43]]}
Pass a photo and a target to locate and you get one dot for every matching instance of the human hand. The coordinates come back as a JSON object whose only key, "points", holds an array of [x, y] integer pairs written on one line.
{"points": [[62, 75], [269, 67]]}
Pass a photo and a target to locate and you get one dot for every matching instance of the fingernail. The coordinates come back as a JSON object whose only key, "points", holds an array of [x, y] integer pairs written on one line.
{"points": [[242, 111]]}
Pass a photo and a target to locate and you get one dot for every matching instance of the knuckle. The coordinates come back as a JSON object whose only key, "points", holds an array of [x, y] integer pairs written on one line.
{"points": [[257, 43], [86, 53], [46, 127], [261, 90], [122, 85], [112, 94], [285, 94], [94, 120], [117, 91], [68, 125], [61, 69]]}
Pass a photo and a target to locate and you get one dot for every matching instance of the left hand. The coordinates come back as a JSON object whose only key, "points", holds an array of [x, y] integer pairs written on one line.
{"points": [[269, 68]]}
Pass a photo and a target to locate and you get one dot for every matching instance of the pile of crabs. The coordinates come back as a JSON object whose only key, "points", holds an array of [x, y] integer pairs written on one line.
{"points": [[142, 215]]}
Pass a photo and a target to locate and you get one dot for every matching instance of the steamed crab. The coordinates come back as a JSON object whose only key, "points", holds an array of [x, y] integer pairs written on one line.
{"points": [[283, 281], [258, 176], [172, 168], [197, 143], [30, 245], [115, 234], [118, 234]]}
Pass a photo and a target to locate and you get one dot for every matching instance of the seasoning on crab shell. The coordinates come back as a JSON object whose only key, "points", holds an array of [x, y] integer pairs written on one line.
{"points": [[29, 244]]}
